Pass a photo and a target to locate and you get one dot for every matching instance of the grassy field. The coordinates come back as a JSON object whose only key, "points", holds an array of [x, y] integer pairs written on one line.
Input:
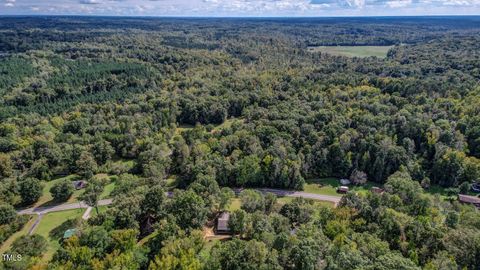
{"points": [[183, 128], [171, 182], [353, 51], [107, 190], [284, 200], [118, 166], [53, 225], [101, 209], [47, 198], [437, 190], [328, 186], [227, 124], [443, 192], [235, 205]]}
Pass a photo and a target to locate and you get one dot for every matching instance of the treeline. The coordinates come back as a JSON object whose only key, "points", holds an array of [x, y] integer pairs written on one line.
{"points": [[403, 228], [303, 114]]}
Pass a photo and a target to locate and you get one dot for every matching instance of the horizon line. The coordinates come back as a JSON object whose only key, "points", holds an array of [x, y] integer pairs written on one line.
{"points": [[236, 17]]}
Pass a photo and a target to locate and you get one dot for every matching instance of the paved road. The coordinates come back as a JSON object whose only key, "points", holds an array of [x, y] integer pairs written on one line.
{"points": [[86, 215], [35, 224], [40, 211], [278, 192], [60, 207]]}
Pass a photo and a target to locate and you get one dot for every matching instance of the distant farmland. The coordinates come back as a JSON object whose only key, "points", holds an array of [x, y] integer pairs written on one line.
{"points": [[353, 51]]}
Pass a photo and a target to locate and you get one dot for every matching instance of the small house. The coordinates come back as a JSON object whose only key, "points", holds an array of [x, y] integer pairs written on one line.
{"points": [[222, 223], [79, 184], [69, 233], [469, 200], [342, 189], [377, 190]]}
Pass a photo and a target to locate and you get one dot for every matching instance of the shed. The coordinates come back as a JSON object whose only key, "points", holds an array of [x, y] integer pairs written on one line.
{"points": [[342, 189], [469, 200], [222, 223], [69, 233], [79, 184], [377, 190]]}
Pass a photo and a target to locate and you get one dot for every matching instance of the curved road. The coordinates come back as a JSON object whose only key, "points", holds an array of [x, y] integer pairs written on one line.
{"points": [[278, 192], [40, 211], [59, 207]]}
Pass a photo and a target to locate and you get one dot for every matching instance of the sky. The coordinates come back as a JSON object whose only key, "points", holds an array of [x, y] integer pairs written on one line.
{"points": [[241, 8]]}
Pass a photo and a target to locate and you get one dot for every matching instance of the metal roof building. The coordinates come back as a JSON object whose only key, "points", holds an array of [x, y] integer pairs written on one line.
{"points": [[222, 223]]}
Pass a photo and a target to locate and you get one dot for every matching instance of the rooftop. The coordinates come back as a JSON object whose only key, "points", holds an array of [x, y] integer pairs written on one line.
{"points": [[69, 233], [469, 199], [222, 222]]}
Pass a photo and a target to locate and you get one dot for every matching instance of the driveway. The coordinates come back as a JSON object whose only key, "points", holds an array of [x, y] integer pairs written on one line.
{"points": [[278, 192], [60, 207]]}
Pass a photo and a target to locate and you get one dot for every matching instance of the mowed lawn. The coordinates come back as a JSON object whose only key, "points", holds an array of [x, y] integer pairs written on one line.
{"points": [[328, 186], [46, 199], [53, 225], [237, 203], [52, 221], [285, 200], [353, 51], [107, 190]]}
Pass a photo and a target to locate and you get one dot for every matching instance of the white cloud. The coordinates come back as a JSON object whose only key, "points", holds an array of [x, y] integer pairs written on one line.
{"points": [[10, 3], [355, 3], [461, 2], [240, 7], [89, 2], [266, 7], [398, 3]]}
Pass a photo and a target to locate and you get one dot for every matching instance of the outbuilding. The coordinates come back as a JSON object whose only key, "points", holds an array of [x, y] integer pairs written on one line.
{"points": [[69, 233], [79, 184], [342, 189], [467, 199], [222, 223], [377, 190]]}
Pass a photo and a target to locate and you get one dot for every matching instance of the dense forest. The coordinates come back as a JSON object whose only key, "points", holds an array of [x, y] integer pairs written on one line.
{"points": [[221, 104]]}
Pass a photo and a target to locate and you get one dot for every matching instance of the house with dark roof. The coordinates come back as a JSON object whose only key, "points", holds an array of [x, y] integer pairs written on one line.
{"points": [[221, 226], [79, 184], [469, 200]]}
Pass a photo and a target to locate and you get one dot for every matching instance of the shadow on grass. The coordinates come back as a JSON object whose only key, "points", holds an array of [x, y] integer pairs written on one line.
{"points": [[435, 189], [57, 232], [334, 183], [50, 203]]}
